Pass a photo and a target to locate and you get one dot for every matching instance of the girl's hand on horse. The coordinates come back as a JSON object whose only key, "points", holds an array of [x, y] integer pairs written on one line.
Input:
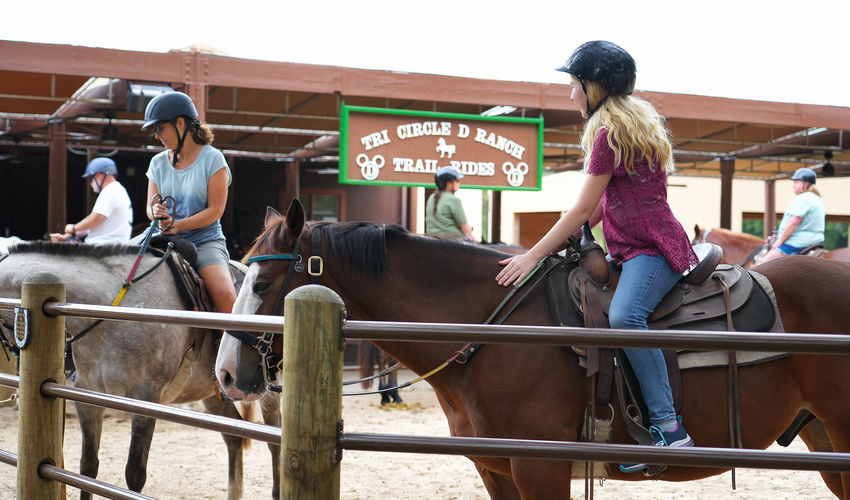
{"points": [[516, 268]]}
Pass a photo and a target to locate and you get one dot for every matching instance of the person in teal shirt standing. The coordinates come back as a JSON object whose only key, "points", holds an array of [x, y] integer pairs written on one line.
{"points": [[444, 214], [804, 222]]}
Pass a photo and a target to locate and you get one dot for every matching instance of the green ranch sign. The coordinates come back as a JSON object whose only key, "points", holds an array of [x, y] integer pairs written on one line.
{"points": [[391, 147]]}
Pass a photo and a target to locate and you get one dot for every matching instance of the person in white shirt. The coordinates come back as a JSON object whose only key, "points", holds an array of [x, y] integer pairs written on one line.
{"points": [[111, 218]]}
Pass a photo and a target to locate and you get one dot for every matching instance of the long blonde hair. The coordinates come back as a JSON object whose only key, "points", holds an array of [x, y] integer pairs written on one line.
{"points": [[635, 130]]}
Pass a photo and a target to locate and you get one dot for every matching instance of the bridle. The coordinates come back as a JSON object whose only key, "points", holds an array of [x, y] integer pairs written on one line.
{"points": [[271, 361]]}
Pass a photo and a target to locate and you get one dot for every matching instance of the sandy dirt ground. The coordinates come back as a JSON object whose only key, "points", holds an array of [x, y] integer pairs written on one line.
{"points": [[191, 463]]}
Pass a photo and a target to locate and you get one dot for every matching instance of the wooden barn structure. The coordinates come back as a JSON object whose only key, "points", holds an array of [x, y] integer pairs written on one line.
{"points": [[278, 125]]}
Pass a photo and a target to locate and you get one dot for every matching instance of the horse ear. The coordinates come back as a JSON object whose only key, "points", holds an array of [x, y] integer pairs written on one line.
{"points": [[272, 216], [295, 217], [696, 229]]}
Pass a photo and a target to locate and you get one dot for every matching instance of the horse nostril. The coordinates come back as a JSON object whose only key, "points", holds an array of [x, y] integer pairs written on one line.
{"points": [[226, 379]]}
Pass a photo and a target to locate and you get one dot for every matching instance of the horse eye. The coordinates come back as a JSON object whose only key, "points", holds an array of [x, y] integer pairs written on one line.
{"points": [[260, 287]]}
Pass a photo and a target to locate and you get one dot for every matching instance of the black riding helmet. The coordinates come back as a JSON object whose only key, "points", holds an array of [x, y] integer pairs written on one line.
{"points": [[445, 175], [167, 108], [605, 63]]}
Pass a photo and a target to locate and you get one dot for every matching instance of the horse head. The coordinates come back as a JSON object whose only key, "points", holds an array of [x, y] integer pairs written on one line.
{"points": [[246, 362]]}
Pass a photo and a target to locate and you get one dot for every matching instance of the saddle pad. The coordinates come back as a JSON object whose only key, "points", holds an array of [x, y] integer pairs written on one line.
{"points": [[711, 359], [705, 359]]}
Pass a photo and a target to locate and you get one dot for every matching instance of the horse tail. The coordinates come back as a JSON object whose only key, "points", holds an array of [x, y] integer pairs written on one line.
{"points": [[367, 356]]}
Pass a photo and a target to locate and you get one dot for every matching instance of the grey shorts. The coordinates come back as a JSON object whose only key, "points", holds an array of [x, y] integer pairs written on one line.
{"points": [[213, 252]]}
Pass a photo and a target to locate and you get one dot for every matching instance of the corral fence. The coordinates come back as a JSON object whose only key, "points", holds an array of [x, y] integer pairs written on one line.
{"points": [[312, 440]]}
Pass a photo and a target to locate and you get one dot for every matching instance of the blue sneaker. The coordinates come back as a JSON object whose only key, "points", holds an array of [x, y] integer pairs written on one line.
{"points": [[677, 438]]}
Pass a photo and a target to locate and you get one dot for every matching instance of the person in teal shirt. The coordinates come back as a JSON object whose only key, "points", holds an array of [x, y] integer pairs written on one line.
{"points": [[444, 214], [804, 222]]}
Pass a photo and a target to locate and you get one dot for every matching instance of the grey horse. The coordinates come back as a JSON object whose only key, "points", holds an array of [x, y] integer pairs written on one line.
{"points": [[146, 361]]}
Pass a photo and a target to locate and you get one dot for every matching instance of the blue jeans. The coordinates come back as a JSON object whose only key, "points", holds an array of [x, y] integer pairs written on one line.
{"points": [[643, 283]]}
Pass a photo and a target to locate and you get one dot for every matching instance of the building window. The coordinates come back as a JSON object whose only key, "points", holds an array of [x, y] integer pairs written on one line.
{"points": [[324, 205]]}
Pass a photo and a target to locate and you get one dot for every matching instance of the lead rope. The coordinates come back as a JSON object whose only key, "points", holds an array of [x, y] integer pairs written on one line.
{"points": [[463, 355]]}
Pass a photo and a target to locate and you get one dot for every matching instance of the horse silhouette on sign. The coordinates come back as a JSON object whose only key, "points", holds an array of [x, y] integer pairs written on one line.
{"points": [[445, 149]]}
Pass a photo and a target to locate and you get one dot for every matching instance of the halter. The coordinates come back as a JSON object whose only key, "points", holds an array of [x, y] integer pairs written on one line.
{"points": [[273, 362]]}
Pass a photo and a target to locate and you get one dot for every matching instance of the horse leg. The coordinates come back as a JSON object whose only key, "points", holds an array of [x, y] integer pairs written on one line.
{"points": [[539, 479], [385, 397], [91, 426], [270, 407], [383, 382], [499, 486], [141, 435], [392, 381], [838, 433], [226, 408], [816, 439]]}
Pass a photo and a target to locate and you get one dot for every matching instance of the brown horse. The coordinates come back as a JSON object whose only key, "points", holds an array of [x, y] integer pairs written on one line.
{"points": [[740, 248], [538, 392], [737, 248]]}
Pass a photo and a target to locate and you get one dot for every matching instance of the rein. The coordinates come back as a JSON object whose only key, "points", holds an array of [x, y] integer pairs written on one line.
{"points": [[126, 286], [273, 362], [463, 355]]}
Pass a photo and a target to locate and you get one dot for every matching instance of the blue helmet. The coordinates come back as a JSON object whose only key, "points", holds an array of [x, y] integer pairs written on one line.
{"points": [[805, 174], [102, 164], [445, 175]]}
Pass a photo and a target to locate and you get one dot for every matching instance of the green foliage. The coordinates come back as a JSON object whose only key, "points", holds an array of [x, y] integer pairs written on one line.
{"points": [[835, 235], [754, 227]]}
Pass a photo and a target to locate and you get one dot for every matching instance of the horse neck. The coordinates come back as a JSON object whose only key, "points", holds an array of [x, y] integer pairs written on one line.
{"points": [[431, 282], [736, 246]]}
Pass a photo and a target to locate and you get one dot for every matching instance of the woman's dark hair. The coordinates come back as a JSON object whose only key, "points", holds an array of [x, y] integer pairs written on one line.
{"points": [[201, 132]]}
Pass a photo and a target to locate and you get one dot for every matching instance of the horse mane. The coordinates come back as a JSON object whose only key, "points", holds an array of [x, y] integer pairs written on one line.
{"points": [[733, 234], [74, 249], [363, 245]]}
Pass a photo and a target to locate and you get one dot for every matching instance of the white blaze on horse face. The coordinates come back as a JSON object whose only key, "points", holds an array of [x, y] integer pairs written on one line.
{"points": [[247, 302]]}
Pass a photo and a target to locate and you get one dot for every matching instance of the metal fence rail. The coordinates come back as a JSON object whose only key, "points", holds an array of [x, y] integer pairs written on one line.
{"points": [[814, 343]]}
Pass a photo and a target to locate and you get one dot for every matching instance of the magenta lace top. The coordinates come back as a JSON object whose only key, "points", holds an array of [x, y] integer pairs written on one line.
{"points": [[635, 214]]}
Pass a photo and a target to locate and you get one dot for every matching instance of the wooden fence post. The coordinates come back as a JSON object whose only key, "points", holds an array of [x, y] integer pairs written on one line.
{"points": [[311, 400], [40, 419]]}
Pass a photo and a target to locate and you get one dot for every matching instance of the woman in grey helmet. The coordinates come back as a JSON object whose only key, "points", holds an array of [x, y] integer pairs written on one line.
{"points": [[444, 214], [804, 222], [196, 176]]}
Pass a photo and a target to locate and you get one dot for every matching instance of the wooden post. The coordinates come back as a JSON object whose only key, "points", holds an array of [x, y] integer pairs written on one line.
{"points": [[311, 400], [727, 174], [57, 178], [769, 207], [40, 419]]}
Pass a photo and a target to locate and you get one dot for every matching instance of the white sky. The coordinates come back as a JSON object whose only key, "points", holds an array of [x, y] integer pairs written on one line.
{"points": [[778, 50]]}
